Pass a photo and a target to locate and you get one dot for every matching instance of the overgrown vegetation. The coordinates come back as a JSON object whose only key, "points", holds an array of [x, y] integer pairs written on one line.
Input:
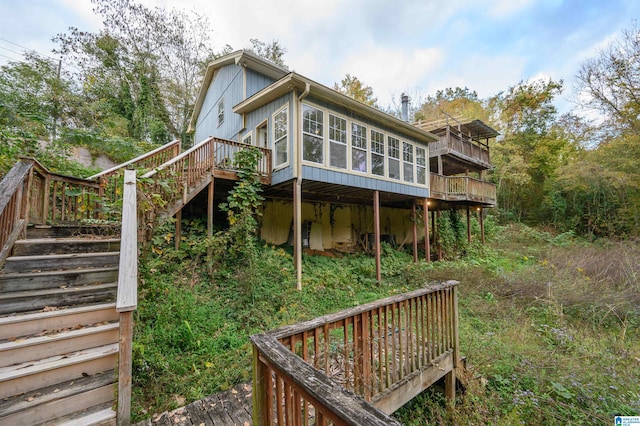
{"points": [[549, 323]]}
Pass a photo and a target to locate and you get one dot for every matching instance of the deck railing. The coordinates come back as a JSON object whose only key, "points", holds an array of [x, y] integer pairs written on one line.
{"points": [[462, 188], [30, 193], [457, 142], [438, 186], [385, 352], [168, 187], [470, 188], [111, 180]]}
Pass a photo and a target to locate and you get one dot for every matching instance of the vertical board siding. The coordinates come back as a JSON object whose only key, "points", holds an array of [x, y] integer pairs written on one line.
{"points": [[227, 83], [256, 82], [257, 117], [367, 182]]}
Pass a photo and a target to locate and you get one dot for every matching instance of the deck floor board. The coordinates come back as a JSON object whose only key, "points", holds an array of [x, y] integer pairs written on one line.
{"points": [[232, 407]]}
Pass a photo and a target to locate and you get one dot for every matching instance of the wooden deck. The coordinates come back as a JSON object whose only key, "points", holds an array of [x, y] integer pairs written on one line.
{"points": [[232, 407]]}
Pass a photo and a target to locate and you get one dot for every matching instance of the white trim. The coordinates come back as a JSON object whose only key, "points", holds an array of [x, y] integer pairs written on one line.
{"points": [[286, 108], [385, 154], [249, 134]]}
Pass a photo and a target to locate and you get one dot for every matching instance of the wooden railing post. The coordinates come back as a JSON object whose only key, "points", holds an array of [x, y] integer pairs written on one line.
{"points": [[259, 391], [127, 297]]}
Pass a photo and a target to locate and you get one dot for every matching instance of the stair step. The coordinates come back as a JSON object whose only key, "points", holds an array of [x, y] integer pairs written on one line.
{"points": [[48, 345], [28, 324], [25, 301], [62, 231], [32, 375], [102, 415], [58, 400], [52, 279], [60, 261], [88, 244]]}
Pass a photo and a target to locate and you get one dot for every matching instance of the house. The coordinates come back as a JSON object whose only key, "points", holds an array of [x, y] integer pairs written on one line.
{"points": [[343, 174]]}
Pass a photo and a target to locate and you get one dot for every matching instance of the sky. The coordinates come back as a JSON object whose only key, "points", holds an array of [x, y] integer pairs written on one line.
{"points": [[411, 46]]}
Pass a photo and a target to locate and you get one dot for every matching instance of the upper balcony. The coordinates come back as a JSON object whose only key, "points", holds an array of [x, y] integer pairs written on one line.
{"points": [[463, 146]]}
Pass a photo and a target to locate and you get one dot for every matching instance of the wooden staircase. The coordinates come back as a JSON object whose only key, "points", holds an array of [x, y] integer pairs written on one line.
{"points": [[59, 327]]}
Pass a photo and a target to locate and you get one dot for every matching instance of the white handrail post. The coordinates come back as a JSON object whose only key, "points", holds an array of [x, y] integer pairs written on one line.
{"points": [[127, 298]]}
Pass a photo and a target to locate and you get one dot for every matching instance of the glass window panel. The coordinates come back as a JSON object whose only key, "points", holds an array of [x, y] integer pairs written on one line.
{"points": [[407, 152], [393, 147], [312, 121], [358, 136], [394, 168], [280, 130], [338, 155], [359, 160], [281, 151], [421, 156], [377, 164], [337, 129], [280, 124], [422, 175], [312, 148], [377, 142], [407, 169]]}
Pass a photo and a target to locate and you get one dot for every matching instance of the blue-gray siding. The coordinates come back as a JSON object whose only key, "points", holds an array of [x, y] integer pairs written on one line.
{"points": [[227, 85], [335, 177], [256, 82], [256, 117]]}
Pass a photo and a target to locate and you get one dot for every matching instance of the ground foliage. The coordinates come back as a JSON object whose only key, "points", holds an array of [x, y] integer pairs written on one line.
{"points": [[549, 322]]}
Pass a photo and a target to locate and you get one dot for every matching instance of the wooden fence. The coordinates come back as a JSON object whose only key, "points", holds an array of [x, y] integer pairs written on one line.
{"points": [[385, 352]]}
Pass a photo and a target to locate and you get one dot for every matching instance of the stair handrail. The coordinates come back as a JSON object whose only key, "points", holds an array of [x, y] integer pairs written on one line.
{"points": [[127, 295], [14, 190], [171, 146], [177, 158]]}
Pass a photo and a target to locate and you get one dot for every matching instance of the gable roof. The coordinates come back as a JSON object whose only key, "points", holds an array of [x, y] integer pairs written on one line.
{"points": [[243, 58], [285, 82], [294, 80]]}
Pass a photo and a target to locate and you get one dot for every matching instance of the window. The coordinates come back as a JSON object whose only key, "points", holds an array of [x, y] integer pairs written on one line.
{"points": [[421, 165], [337, 142], [377, 153], [358, 148], [312, 134], [407, 161], [221, 112], [247, 139], [280, 131], [393, 151]]}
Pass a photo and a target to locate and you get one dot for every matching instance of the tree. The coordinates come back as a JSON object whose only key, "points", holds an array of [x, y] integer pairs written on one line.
{"points": [[356, 89], [141, 72], [531, 149], [270, 51], [454, 102], [610, 82]]}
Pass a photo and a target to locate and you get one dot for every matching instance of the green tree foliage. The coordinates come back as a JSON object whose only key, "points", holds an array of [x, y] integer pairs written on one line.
{"points": [[354, 88], [531, 149], [454, 102], [141, 72]]}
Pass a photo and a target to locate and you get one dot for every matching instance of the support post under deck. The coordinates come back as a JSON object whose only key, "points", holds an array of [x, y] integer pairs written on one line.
{"points": [[425, 219], [415, 233], [297, 230], [376, 225]]}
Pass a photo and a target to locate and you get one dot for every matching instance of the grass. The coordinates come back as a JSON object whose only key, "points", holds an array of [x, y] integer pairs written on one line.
{"points": [[549, 324]]}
